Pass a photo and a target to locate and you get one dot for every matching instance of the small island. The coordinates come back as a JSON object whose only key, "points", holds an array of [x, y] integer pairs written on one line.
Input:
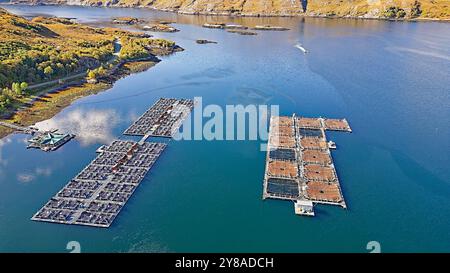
{"points": [[203, 41], [269, 27], [214, 25], [159, 28], [126, 20]]}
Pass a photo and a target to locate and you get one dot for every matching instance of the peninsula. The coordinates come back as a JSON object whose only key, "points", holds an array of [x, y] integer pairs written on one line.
{"points": [[47, 63]]}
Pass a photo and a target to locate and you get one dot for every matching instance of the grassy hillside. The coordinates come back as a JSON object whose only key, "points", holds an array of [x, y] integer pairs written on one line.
{"points": [[46, 49], [400, 9], [41, 49]]}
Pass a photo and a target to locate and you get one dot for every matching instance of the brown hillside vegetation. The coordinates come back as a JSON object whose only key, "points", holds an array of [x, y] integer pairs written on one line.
{"points": [[392, 9], [47, 49]]}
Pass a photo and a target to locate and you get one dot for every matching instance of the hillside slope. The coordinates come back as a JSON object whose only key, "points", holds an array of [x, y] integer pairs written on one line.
{"points": [[399, 9], [45, 50]]}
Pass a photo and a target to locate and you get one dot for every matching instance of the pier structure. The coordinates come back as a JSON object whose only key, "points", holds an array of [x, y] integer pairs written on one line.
{"points": [[99, 192], [18, 128], [299, 165]]}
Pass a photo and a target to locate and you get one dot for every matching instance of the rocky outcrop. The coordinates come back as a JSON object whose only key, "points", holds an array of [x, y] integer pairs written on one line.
{"points": [[202, 41], [389, 9], [159, 28]]}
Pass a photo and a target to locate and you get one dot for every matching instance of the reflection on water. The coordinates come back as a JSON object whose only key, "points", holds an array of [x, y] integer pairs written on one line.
{"points": [[211, 72], [143, 92], [389, 79], [3, 142], [148, 245], [89, 126], [427, 53], [246, 96], [27, 177]]}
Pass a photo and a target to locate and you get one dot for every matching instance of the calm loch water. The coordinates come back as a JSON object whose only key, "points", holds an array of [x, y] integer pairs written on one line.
{"points": [[389, 79]]}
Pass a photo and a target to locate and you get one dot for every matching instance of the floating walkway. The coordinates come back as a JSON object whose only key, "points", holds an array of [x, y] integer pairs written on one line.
{"points": [[17, 128], [299, 166], [99, 192]]}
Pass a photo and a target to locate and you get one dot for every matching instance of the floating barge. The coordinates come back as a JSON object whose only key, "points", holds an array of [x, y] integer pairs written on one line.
{"points": [[211, 25], [235, 26], [43, 140], [49, 141], [99, 192], [269, 27], [299, 166]]}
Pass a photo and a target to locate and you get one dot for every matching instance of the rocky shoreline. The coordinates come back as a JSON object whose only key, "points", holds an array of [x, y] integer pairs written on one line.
{"points": [[56, 99], [296, 11]]}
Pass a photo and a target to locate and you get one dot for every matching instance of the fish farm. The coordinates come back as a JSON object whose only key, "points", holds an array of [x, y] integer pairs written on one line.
{"points": [[163, 119], [299, 166], [99, 192]]}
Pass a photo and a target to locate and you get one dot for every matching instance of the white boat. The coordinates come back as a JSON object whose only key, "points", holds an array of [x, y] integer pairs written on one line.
{"points": [[299, 46]]}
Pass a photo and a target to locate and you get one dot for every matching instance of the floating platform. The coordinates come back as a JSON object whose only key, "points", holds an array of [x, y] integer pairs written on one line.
{"points": [[49, 141], [235, 26], [99, 192], [163, 119], [213, 25], [269, 27], [299, 165], [43, 140]]}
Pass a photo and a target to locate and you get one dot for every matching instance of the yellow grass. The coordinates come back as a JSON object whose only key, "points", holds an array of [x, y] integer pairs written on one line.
{"points": [[436, 9]]}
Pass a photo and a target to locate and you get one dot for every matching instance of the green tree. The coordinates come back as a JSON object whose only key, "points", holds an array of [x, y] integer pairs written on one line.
{"points": [[4, 101], [16, 88], [401, 13], [91, 74], [23, 86], [48, 71], [416, 10]]}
